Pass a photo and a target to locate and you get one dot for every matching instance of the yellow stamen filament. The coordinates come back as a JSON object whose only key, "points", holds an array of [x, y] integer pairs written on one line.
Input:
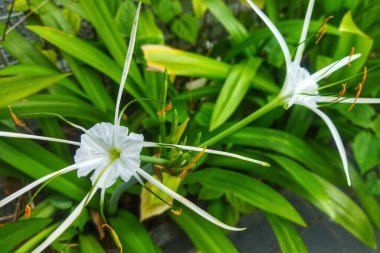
{"points": [[359, 89], [15, 119], [114, 236], [352, 52], [176, 212], [322, 29], [167, 108], [28, 211], [191, 164], [341, 93]]}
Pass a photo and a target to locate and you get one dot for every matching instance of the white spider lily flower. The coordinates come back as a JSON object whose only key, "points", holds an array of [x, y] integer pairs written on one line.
{"points": [[301, 87], [109, 151]]}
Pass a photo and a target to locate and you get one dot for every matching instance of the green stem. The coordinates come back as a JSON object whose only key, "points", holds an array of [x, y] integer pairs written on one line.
{"points": [[253, 116], [155, 160]]}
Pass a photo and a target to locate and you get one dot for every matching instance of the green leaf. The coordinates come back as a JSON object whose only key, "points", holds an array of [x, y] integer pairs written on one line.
{"points": [[131, 233], [207, 193], [220, 10], [124, 19], [24, 51], [205, 236], [150, 205], [351, 36], [287, 236], [41, 70], [307, 180], [366, 149], [178, 62], [199, 8], [92, 84], [288, 145], [89, 244], [65, 106], [14, 233], [186, 27], [35, 240], [80, 49], [13, 89], [248, 189], [234, 90], [240, 205], [166, 10], [25, 154]]}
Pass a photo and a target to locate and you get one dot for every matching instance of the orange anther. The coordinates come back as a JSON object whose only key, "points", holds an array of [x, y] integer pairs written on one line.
{"points": [[114, 236], [359, 89], [167, 108], [176, 212], [191, 164], [352, 52], [322, 29], [28, 211], [341, 93], [15, 119], [105, 225]]}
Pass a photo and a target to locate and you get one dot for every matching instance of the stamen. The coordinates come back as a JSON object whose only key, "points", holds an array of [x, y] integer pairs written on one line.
{"points": [[191, 164], [28, 211], [176, 212], [114, 236], [322, 29], [15, 119], [359, 89], [167, 108], [352, 52], [341, 93]]}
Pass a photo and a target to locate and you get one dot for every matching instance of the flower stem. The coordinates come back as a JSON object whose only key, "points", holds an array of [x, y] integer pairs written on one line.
{"points": [[253, 116]]}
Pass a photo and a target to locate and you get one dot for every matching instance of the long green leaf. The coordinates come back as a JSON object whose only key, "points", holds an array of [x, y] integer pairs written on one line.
{"points": [[37, 162], [65, 106], [248, 189], [131, 233], [14, 233], [287, 235], [205, 236], [179, 62], [233, 91], [89, 244], [13, 89]]}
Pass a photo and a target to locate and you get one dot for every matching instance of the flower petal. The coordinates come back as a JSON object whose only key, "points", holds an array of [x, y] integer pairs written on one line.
{"points": [[69, 220], [127, 63], [43, 179], [186, 202], [275, 31], [323, 99], [301, 46], [36, 137], [326, 71], [210, 151], [337, 139]]}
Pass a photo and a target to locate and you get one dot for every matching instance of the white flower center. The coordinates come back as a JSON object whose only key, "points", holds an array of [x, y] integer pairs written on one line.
{"points": [[120, 152], [299, 88]]}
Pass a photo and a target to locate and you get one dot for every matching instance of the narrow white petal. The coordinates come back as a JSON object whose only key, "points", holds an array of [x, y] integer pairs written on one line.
{"points": [[127, 62], [275, 31], [69, 220], [210, 151], [186, 202], [301, 46], [323, 99], [326, 71], [43, 179], [337, 139], [36, 137]]}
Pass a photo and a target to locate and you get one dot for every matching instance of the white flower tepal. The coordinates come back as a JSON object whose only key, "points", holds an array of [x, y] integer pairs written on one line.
{"points": [[120, 151], [300, 87]]}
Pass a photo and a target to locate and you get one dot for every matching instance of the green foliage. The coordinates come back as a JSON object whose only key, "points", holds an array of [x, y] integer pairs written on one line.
{"points": [[215, 64]]}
